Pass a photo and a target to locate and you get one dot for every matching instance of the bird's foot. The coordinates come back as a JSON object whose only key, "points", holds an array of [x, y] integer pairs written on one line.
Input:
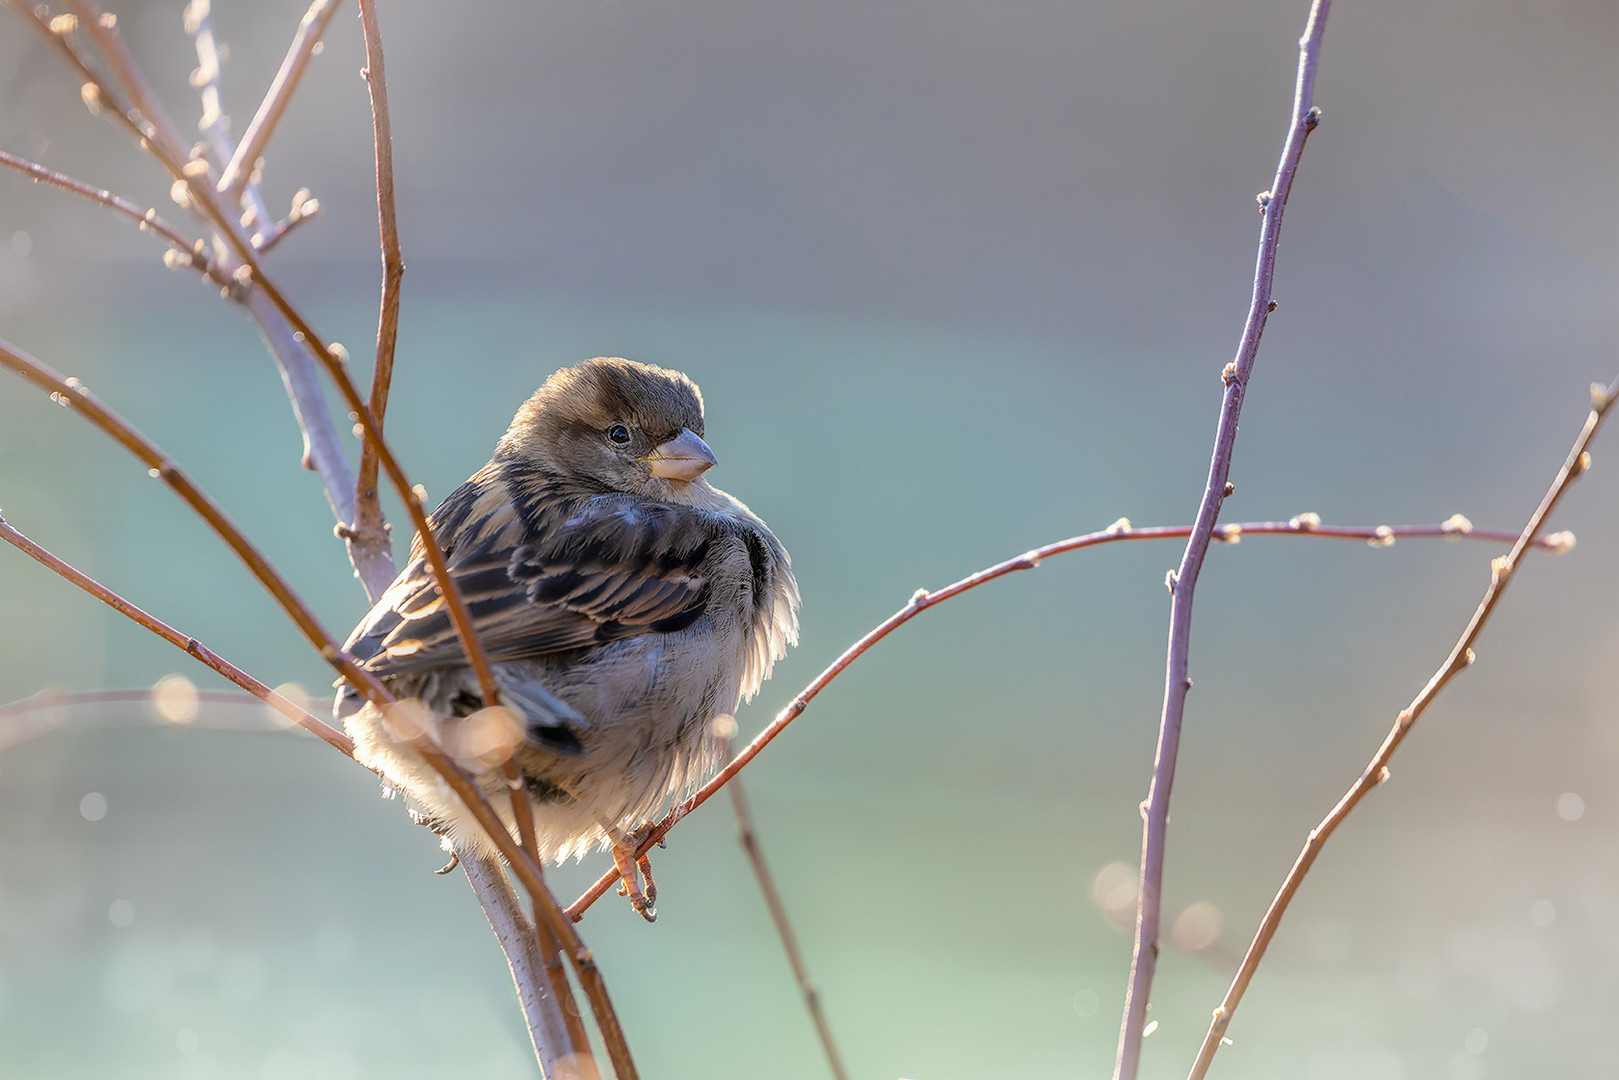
{"points": [[633, 867]]}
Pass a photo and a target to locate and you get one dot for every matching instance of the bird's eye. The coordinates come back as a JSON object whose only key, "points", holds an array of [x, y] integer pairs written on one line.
{"points": [[619, 434]]}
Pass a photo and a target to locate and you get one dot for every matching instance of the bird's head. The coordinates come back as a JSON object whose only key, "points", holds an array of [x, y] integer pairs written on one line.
{"points": [[630, 427]]}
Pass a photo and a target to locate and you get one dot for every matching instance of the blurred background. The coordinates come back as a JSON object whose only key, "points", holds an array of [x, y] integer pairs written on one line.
{"points": [[957, 279]]}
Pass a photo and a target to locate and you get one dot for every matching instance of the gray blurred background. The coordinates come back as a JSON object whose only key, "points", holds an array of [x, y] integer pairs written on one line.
{"points": [[957, 278]]}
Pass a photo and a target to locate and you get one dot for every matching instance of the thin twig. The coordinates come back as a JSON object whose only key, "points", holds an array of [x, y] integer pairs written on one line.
{"points": [[257, 136], [190, 251], [369, 531], [102, 31], [1155, 825], [183, 642], [1461, 656], [463, 785], [305, 207], [1306, 524], [199, 23], [321, 451], [74, 394], [784, 929]]}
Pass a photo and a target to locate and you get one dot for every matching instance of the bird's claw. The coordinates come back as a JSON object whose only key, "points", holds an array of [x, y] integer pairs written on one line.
{"points": [[629, 881]]}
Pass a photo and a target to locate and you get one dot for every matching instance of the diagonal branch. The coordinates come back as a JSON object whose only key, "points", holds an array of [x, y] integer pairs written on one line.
{"points": [[244, 161], [190, 253], [75, 395], [784, 929], [184, 643], [1457, 528], [1155, 826], [1376, 771], [199, 23]]}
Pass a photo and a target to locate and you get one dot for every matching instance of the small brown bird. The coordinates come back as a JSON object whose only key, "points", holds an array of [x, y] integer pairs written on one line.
{"points": [[626, 606]]}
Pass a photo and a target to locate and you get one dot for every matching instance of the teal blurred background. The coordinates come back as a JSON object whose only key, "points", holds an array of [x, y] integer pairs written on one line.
{"points": [[956, 278]]}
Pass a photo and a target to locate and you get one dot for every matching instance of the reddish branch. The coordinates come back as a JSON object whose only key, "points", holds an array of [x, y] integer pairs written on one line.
{"points": [[1461, 656], [1155, 827], [146, 119], [369, 533], [1457, 527], [174, 637], [784, 929], [191, 251]]}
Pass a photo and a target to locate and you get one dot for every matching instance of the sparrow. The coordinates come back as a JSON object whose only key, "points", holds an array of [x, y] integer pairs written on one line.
{"points": [[626, 606]]}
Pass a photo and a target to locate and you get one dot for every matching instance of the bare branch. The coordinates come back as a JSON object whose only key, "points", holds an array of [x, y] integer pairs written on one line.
{"points": [[190, 252], [1376, 771], [102, 31], [321, 450], [183, 642], [199, 23], [555, 1026], [305, 207], [1155, 827], [257, 135], [1307, 524], [784, 928], [75, 395], [369, 529]]}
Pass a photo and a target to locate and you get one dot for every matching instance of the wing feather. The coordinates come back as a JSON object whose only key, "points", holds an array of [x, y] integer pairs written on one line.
{"points": [[545, 569]]}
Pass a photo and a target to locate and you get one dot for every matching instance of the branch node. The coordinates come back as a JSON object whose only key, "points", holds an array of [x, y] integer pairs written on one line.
{"points": [[1309, 521], [1230, 489], [1119, 527], [1229, 375], [1263, 198], [1382, 536], [1312, 119], [1171, 578], [1600, 398], [1456, 525]]}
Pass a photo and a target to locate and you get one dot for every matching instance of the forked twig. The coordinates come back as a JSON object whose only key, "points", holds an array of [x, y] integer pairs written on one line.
{"points": [[1183, 583], [1456, 528], [183, 642], [1376, 771]]}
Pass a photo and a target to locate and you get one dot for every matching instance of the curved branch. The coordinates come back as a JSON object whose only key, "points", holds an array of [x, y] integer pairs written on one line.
{"points": [[190, 252], [183, 642], [1377, 536]]}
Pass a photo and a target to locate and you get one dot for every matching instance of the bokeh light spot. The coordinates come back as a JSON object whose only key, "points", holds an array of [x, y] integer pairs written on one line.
{"points": [[121, 913], [1198, 927], [1570, 807], [175, 699], [93, 807]]}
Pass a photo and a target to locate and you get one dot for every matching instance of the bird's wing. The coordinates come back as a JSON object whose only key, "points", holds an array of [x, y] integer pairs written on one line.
{"points": [[585, 570]]}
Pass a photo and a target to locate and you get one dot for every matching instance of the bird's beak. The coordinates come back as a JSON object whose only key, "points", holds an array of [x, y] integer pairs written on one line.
{"points": [[684, 457]]}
